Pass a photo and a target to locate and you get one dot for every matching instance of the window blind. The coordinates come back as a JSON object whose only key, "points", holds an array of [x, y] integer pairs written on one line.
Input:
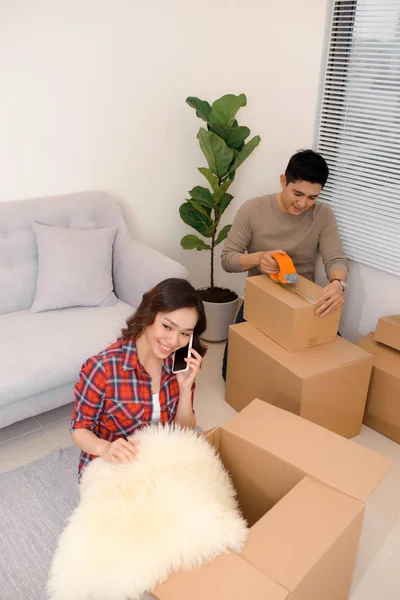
{"points": [[359, 129]]}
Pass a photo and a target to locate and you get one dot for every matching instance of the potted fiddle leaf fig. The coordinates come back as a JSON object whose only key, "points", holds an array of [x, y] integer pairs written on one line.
{"points": [[223, 143]]}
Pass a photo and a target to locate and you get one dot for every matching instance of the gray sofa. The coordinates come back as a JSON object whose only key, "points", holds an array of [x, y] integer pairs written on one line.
{"points": [[41, 353]]}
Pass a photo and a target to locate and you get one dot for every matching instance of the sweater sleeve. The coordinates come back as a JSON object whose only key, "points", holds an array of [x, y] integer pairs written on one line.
{"points": [[330, 246], [237, 241]]}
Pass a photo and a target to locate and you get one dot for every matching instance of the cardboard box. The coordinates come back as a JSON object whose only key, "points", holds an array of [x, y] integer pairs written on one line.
{"points": [[388, 331], [382, 411], [326, 384], [302, 489], [228, 576], [286, 318]]}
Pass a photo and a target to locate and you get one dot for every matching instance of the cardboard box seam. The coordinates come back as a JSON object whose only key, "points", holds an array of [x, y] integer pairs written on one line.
{"points": [[357, 360], [264, 573]]}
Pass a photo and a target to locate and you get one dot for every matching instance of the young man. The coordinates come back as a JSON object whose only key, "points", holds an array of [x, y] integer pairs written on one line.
{"points": [[291, 221]]}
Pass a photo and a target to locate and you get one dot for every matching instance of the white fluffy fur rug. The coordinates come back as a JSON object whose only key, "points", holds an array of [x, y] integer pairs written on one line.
{"points": [[174, 508]]}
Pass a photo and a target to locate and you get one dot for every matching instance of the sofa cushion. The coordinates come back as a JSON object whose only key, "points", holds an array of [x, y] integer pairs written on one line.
{"points": [[75, 267], [41, 351], [18, 250]]}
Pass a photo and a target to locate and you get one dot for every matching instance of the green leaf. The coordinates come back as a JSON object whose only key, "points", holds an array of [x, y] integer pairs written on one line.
{"points": [[233, 136], [192, 242], [203, 196], [222, 234], [220, 191], [245, 152], [225, 202], [223, 111], [212, 179], [222, 206], [202, 107], [237, 136], [196, 219], [217, 153], [202, 209]]}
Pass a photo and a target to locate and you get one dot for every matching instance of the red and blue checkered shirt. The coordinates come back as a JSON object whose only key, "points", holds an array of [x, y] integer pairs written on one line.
{"points": [[113, 396]]}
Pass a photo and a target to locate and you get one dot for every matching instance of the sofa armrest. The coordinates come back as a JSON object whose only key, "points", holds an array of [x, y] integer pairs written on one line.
{"points": [[137, 268]]}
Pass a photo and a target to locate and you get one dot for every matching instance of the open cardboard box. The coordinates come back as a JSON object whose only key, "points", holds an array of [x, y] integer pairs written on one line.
{"points": [[302, 490], [382, 411], [327, 384], [388, 331], [285, 317]]}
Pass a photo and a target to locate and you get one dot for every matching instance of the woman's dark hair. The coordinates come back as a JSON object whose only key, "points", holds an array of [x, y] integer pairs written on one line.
{"points": [[171, 294], [307, 165]]}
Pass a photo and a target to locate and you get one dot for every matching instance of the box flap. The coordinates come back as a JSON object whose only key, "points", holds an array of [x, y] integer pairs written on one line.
{"points": [[282, 292], [393, 320], [228, 576], [212, 437], [306, 527], [319, 453], [388, 331], [385, 358], [308, 362]]}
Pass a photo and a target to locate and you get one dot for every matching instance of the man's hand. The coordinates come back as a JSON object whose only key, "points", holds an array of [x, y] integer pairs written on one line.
{"points": [[267, 264], [331, 298]]}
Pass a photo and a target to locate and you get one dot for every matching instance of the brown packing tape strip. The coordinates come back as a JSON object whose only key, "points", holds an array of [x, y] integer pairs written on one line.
{"points": [[308, 299], [290, 288]]}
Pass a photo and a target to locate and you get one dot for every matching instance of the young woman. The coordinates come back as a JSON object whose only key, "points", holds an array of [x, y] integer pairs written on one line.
{"points": [[130, 384]]}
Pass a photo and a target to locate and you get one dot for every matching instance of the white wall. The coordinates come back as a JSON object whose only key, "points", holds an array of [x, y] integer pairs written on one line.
{"points": [[371, 294], [92, 96]]}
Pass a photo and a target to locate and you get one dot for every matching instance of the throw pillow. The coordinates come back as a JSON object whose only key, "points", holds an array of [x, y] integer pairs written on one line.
{"points": [[74, 267]]}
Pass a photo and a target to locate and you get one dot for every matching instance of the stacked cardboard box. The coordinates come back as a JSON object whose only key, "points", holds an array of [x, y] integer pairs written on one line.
{"points": [[293, 359], [302, 490], [388, 331], [383, 404]]}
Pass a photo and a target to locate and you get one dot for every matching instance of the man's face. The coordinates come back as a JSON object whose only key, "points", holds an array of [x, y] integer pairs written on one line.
{"points": [[298, 196]]}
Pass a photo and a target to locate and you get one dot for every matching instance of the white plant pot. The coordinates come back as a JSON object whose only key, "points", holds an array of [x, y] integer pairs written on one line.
{"points": [[220, 315]]}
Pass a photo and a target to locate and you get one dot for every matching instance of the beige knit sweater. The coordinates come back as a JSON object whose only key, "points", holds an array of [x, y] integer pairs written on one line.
{"points": [[261, 225]]}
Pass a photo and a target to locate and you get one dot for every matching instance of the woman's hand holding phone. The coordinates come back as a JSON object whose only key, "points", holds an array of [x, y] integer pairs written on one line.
{"points": [[186, 378]]}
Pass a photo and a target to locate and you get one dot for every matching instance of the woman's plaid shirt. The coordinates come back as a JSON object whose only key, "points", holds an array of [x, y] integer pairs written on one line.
{"points": [[113, 396]]}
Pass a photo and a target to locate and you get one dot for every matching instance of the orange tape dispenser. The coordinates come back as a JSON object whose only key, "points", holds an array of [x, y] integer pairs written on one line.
{"points": [[287, 276], [287, 271]]}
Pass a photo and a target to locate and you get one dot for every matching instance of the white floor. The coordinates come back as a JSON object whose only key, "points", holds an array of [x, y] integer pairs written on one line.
{"points": [[377, 572]]}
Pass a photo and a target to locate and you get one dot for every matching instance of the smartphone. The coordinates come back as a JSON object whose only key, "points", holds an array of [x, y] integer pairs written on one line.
{"points": [[179, 364]]}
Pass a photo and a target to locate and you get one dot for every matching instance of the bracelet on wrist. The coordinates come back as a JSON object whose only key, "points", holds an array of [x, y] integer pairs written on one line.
{"points": [[341, 281]]}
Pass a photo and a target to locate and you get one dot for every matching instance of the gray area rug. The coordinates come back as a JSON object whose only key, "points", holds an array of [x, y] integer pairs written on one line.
{"points": [[35, 502]]}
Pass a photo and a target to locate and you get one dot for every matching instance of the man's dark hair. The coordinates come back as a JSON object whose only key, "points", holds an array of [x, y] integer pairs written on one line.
{"points": [[307, 165]]}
